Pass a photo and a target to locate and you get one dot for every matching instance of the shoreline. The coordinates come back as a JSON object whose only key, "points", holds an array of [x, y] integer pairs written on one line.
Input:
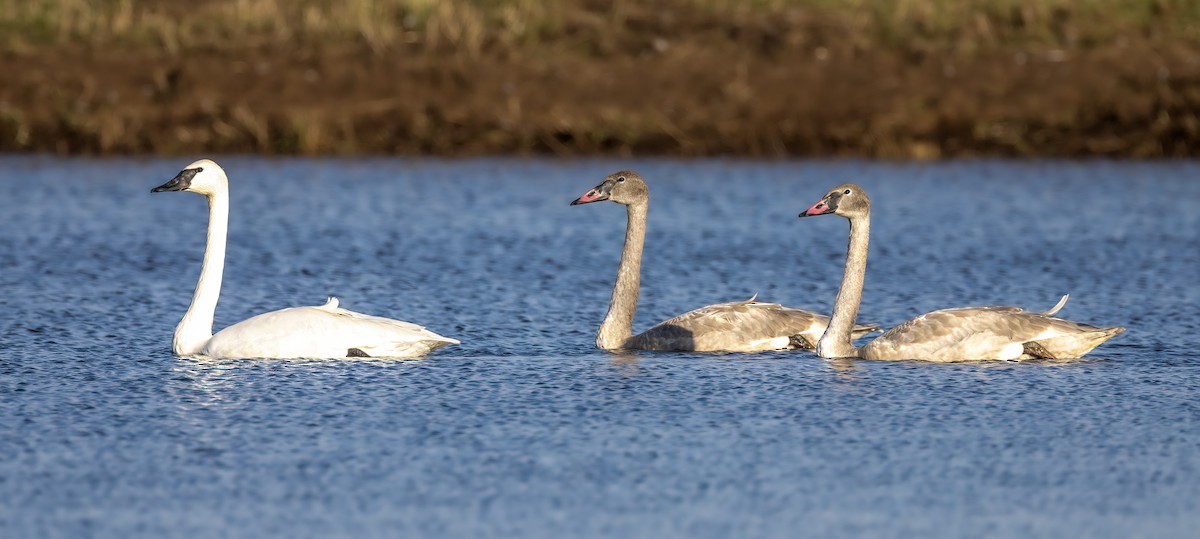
{"points": [[697, 84]]}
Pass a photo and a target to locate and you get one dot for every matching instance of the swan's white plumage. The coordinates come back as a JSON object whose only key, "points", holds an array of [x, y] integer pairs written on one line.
{"points": [[324, 331]]}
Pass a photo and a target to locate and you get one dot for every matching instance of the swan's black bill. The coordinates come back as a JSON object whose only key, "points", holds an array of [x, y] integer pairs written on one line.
{"points": [[181, 181]]}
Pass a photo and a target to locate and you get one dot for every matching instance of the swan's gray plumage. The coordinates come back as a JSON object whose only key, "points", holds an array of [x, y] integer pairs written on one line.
{"points": [[991, 332], [740, 326], [968, 333]]}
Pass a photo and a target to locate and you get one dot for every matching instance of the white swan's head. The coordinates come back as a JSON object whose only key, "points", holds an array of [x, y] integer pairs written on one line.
{"points": [[847, 200], [204, 177], [624, 187]]}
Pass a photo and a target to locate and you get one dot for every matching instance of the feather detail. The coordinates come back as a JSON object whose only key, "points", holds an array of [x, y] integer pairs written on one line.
{"points": [[737, 326], [1058, 306], [987, 333], [330, 305]]}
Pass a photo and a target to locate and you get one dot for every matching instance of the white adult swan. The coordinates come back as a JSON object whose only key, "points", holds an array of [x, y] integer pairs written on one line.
{"points": [[740, 326], [299, 332], [969, 333]]}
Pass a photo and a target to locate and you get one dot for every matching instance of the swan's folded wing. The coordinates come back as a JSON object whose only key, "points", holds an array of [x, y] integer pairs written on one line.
{"points": [[322, 332], [734, 326], [395, 329], [969, 333]]}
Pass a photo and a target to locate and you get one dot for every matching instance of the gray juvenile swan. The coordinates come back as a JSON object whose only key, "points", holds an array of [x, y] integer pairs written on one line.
{"points": [[740, 326], [968, 333], [317, 332]]}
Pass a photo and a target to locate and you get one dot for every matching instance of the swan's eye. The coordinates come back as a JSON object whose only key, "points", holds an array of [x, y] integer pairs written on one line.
{"points": [[846, 192]]}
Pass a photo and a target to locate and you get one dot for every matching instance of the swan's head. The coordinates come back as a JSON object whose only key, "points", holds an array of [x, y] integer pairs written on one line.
{"points": [[203, 176], [848, 200], [624, 187]]}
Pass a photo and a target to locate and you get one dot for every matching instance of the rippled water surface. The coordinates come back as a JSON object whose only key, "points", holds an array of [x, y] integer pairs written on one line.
{"points": [[525, 430]]}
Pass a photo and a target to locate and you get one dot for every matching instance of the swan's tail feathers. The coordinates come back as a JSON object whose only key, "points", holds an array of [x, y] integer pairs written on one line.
{"points": [[1070, 346], [410, 348], [330, 305], [1058, 306], [447, 340], [801, 341]]}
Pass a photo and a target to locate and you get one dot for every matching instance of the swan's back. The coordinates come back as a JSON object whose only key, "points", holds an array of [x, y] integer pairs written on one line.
{"points": [[982, 333], [325, 331], [738, 326]]}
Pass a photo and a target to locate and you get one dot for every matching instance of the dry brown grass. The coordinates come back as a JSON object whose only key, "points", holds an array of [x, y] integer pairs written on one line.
{"points": [[230, 24], [892, 78], [470, 25]]}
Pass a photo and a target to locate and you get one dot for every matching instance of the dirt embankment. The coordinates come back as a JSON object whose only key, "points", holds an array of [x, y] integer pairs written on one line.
{"points": [[669, 82]]}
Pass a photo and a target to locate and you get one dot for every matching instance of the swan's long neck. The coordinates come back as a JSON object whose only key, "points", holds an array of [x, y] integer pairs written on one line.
{"points": [[617, 327], [836, 342], [195, 330]]}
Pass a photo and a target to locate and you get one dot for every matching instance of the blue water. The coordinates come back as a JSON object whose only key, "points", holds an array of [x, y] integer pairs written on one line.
{"points": [[525, 430]]}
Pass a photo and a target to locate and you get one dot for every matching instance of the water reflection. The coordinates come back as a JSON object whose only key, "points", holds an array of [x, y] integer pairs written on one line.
{"points": [[206, 382], [203, 382], [625, 363], [846, 369]]}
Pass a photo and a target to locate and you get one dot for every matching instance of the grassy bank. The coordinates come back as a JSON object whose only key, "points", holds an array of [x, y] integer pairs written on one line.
{"points": [[471, 24], [903, 78]]}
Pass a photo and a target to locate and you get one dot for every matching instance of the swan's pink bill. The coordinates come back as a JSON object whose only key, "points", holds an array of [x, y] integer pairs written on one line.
{"points": [[817, 209], [590, 196]]}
